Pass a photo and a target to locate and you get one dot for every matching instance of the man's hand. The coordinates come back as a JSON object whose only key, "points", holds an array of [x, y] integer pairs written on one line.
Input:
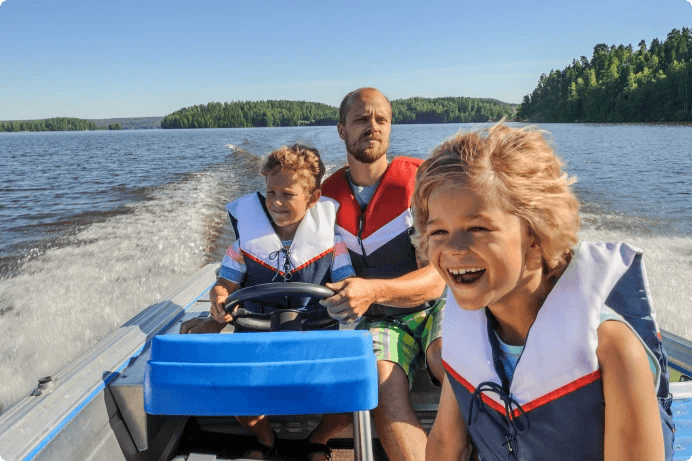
{"points": [[201, 325], [352, 299]]}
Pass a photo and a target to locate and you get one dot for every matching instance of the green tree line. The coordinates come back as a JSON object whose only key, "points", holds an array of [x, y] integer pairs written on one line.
{"points": [[619, 84], [449, 110], [51, 124], [251, 114], [299, 113]]}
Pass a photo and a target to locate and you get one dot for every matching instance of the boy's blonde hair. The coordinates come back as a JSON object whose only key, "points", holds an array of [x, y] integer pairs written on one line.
{"points": [[514, 166], [300, 159]]}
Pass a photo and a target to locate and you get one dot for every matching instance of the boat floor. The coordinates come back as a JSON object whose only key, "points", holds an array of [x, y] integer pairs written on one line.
{"points": [[233, 447]]}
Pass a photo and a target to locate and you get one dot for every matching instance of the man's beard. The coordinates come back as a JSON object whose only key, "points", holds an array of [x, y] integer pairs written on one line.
{"points": [[367, 155]]}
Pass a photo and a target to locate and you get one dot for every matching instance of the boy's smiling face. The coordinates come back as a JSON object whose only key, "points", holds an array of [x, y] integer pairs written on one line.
{"points": [[478, 248], [287, 201]]}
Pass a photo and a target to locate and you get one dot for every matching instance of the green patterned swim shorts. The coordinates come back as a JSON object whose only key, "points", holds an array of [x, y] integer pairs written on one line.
{"points": [[404, 340]]}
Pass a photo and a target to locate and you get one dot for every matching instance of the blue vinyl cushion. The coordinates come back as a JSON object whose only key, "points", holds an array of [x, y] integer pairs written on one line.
{"points": [[682, 415], [279, 373]]}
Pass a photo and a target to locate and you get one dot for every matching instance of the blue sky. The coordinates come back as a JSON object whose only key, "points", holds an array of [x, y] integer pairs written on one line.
{"points": [[96, 59]]}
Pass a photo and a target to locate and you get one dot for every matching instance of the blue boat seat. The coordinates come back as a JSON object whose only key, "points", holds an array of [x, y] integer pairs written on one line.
{"points": [[279, 373], [682, 416]]}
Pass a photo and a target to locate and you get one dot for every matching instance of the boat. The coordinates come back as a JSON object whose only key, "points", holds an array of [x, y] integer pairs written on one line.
{"points": [[95, 408]]}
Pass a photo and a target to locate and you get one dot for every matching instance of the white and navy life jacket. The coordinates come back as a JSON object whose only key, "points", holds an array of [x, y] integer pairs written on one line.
{"points": [[308, 259], [553, 407], [379, 238]]}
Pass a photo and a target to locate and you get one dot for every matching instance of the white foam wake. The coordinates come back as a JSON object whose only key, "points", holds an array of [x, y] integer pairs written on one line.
{"points": [[668, 263], [68, 299]]}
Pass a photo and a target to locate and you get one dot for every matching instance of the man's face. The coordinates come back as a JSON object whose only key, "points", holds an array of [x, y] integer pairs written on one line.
{"points": [[367, 127]]}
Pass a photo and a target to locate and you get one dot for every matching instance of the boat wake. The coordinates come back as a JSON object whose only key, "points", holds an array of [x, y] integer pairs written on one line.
{"points": [[667, 258], [61, 301]]}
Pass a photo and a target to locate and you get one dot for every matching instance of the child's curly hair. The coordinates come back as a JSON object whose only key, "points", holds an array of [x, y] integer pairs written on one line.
{"points": [[518, 168], [300, 159]]}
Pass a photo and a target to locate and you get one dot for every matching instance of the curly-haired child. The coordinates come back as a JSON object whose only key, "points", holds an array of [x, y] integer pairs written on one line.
{"points": [[287, 236]]}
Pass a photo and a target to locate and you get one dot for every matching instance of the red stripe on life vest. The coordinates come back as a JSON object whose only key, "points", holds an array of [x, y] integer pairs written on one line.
{"points": [[547, 398], [560, 392], [321, 255], [262, 263], [469, 387]]}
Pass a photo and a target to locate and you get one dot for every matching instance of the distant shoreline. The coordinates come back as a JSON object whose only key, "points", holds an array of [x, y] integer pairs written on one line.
{"points": [[149, 123], [125, 123]]}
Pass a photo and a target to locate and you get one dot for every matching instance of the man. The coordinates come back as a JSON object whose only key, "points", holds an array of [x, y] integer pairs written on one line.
{"points": [[395, 296]]}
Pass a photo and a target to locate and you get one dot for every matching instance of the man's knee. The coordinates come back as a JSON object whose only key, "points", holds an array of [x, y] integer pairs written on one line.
{"points": [[393, 388], [390, 374]]}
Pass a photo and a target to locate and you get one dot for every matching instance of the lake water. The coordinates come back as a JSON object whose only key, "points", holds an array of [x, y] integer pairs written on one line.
{"points": [[95, 226]]}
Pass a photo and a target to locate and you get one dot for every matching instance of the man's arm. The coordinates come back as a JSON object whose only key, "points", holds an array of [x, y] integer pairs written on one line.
{"points": [[354, 296]]}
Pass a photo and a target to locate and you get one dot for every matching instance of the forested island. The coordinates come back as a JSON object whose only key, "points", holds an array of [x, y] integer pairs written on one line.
{"points": [[619, 84], [450, 110], [55, 124], [301, 113]]}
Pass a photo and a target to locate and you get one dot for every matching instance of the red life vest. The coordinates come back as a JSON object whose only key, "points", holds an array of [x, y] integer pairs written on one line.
{"points": [[379, 237]]}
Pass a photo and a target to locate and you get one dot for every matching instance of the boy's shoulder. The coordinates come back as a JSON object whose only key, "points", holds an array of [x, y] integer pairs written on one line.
{"points": [[232, 207]]}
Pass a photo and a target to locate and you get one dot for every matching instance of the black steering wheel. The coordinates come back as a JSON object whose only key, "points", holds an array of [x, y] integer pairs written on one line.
{"points": [[261, 322]]}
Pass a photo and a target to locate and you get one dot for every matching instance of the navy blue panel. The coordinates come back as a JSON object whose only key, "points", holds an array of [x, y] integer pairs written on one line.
{"points": [[570, 428], [318, 273], [629, 298], [394, 259], [234, 223]]}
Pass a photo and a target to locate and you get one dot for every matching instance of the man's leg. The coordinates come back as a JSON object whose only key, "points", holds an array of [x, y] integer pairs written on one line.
{"points": [[432, 339], [398, 347], [398, 427], [433, 356]]}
